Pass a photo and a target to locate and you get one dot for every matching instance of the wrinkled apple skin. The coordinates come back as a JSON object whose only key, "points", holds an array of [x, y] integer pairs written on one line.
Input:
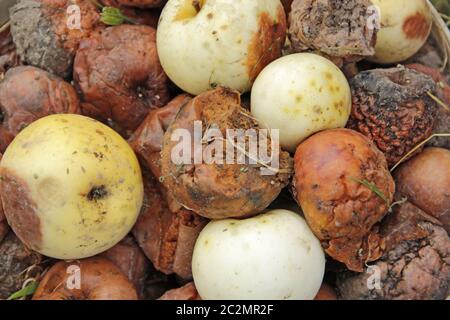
{"points": [[405, 27], [71, 187], [271, 256], [301, 94], [227, 42]]}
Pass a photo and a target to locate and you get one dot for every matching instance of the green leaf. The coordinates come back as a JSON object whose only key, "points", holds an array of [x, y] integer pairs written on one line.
{"points": [[373, 188], [28, 290], [112, 16]]}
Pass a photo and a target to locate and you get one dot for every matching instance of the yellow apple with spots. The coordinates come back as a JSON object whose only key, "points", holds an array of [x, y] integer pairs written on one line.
{"points": [[71, 187], [301, 94]]}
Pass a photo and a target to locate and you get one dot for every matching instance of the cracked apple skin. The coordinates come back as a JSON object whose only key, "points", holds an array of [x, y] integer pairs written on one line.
{"points": [[71, 187], [206, 43]]}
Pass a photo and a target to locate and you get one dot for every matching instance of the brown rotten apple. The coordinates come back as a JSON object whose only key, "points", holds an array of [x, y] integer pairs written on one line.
{"points": [[344, 187], [147, 140], [342, 30], [8, 54], [131, 261], [166, 237], [46, 33], [209, 188], [119, 75], [425, 182], [99, 279], [443, 92], [415, 266], [392, 107], [27, 94]]}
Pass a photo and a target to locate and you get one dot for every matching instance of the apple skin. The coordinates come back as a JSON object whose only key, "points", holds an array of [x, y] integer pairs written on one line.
{"points": [[272, 256], [71, 187], [405, 27], [227, 43], [301, 94]]}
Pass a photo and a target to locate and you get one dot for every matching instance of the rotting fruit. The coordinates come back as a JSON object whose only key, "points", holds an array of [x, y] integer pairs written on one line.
{"points": [[71, 187]]}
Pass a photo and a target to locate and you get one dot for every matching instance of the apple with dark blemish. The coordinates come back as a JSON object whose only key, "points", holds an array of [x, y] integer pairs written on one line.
{"points": [[405, 27], [71, 187], [205, 43]]}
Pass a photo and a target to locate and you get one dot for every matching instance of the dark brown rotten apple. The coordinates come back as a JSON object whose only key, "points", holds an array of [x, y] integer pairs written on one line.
{"points": [[343, 30], [46, 32], [8, 54], [443, 93], [425, 182], [147, 140], [166, 237], [99, 279], [27, 94], [131, 261], [209, 188], [415, 266], [15, 259], [344, 187], [393, 109], [119, 75]]}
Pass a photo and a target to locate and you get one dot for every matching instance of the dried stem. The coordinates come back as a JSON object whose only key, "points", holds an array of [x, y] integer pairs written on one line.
{"points": [[420, 145]]}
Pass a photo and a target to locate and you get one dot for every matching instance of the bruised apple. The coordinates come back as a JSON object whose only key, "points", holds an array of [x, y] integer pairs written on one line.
{"points": [[405, 26], [205, 43], [71, 187]]}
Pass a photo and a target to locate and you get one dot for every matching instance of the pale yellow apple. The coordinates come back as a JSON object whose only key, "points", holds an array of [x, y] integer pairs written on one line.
{"points": [[205, 43], [301, 94], [71, 187], [405, 27], [271, 256]]}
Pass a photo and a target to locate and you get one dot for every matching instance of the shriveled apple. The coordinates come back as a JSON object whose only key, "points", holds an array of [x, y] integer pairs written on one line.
{"points": [[71, 187], [205, 43]]}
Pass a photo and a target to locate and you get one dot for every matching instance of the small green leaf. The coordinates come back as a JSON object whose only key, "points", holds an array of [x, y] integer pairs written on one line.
{"points": [[112, 16], [28, 290], [373, 188]]}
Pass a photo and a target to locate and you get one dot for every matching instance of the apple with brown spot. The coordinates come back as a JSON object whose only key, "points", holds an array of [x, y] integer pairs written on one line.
{"points": [[405, 27], [205, 43]]}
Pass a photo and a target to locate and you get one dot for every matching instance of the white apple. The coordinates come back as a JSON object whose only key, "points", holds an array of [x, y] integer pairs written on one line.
{"points": [[405, 27], [271, 256], [301, 94], [205, 43]]}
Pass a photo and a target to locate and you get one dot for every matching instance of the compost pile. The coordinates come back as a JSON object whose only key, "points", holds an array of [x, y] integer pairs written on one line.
{"points": [[211, 149]]}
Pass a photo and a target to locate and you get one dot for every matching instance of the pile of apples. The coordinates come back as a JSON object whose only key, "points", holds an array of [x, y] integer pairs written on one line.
{"points": [[64, 167]]}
